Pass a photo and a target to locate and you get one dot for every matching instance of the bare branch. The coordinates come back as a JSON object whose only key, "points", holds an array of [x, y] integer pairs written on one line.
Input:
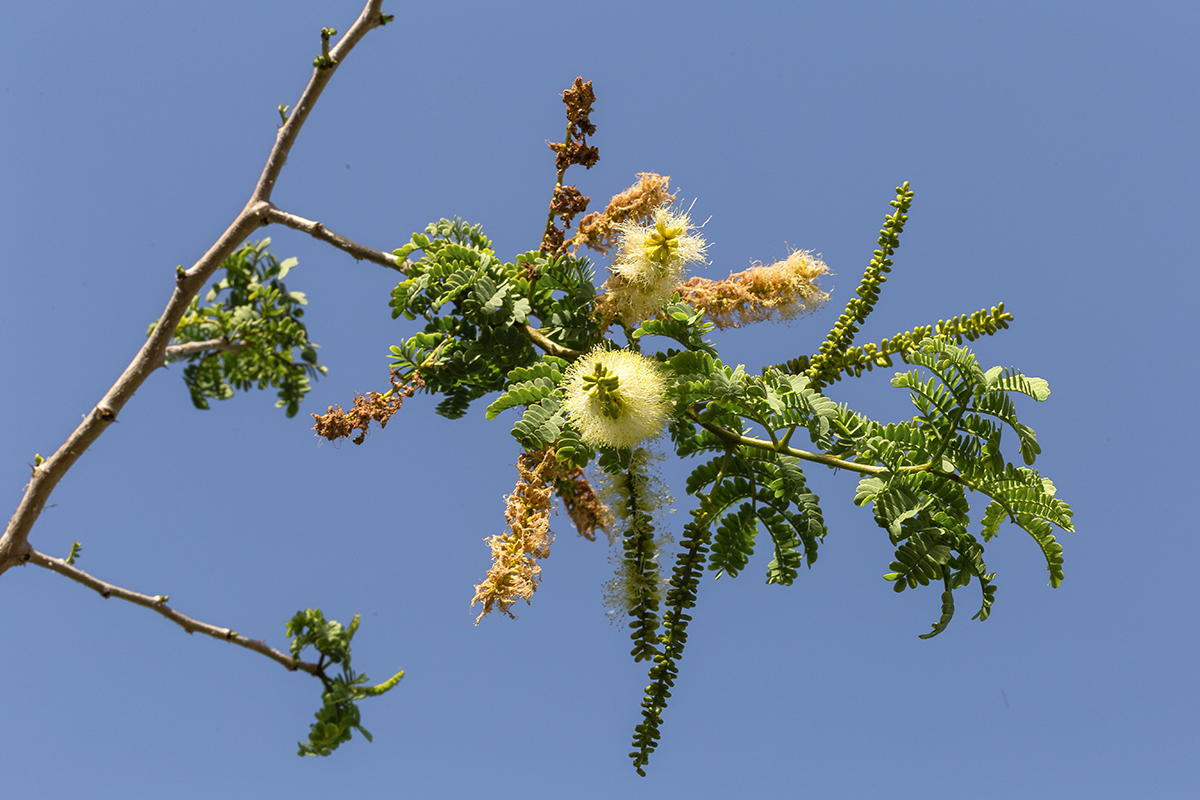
{"points": [[319, 231], [159, 603], [14, 544], [370, 18]]}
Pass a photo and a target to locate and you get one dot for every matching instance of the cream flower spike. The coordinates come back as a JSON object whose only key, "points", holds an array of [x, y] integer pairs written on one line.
{"points": [[615, 398]]}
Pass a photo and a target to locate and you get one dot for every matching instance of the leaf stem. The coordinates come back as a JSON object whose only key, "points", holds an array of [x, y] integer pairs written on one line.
{"points": [[730, 437]]}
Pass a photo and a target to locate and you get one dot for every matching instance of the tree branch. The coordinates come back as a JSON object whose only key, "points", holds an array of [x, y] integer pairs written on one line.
{"points": [[14, 544], [159, 603], [319, 231], [286, 137], [221, 344], [546, 343]]}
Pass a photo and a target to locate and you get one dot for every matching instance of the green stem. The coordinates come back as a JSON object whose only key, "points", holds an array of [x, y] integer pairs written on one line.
{"points": [[730, 437]]}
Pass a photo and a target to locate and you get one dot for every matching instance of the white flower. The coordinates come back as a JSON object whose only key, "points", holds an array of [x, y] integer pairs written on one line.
{"points": [[651, 262], [615, 398]]}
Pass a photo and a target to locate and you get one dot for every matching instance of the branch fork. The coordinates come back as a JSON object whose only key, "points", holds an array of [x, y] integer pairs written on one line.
{"points": [[14, 543]]}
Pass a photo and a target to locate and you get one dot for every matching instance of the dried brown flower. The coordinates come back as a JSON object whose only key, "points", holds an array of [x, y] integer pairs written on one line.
{"points": [[338, 424], [575, 150], [579, 99], [583, 505], [636, 204], [515, 572], [787, 289], [567, 203], [552, 241]]}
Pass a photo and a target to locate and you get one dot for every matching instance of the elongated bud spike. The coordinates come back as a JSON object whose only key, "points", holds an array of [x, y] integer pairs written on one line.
{"points": [[603, 385]]}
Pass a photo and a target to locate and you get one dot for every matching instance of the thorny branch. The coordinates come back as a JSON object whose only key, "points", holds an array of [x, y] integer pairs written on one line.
{"points": [[159, 603], [14, 544]]}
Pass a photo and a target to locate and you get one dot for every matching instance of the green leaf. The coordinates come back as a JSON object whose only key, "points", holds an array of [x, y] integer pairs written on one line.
{"points": [[252, 309], [541, 424], [947, 613]]}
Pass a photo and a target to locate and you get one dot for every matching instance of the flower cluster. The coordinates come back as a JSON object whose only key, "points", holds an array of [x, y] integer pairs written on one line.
{"points": [[651, 263], [615, 398]]}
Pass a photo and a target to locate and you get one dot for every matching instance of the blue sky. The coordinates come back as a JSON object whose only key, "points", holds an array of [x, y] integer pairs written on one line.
{"points": [[1052, 150]]}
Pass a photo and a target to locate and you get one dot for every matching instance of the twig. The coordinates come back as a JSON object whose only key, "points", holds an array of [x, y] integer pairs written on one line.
{"points": [[318, 231], [220, 344], [549, 345], [159, 603], [14, 544], [286, 137]]}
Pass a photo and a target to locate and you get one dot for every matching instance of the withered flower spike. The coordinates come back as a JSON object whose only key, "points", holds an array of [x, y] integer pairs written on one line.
{"points": [[515, 573], [338, 424], [784, 290], [574, 149], [584, 506]]}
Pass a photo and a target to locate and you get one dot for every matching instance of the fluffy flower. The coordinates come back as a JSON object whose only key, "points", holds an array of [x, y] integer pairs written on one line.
{"points": [[615, 398], [599, 230], [651, 262]]}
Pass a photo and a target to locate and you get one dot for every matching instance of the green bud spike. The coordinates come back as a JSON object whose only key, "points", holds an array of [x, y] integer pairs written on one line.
{"points": [[602, 385], [662, 245]]}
